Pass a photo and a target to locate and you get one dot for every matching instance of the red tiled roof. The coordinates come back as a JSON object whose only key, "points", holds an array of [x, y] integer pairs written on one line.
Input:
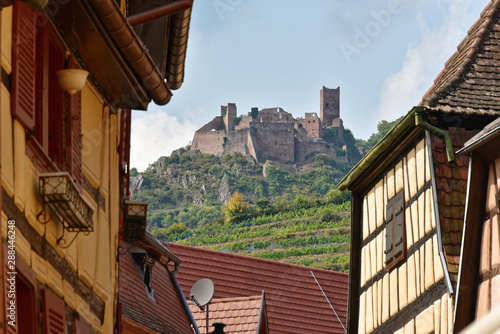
{"points": [[240, 314], [166, 314], [470, 81], [295, 303]]}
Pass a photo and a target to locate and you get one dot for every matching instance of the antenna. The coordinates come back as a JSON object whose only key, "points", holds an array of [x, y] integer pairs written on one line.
{"points": [[202, 293]]}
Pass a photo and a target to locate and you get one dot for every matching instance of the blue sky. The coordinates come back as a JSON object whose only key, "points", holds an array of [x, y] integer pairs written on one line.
{"points": [[384, 55]]}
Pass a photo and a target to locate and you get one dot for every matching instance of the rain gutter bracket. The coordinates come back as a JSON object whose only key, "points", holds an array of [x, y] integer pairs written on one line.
{"points": [[419, 121]]}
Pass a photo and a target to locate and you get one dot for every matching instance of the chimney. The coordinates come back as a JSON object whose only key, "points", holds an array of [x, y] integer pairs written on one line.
{"points": [[219, 328]]}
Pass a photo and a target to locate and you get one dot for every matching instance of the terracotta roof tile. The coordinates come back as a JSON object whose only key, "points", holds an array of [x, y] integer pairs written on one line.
{"points": [[294, 301], [451, 186], [240, 316], [469, 83], [166, 314]]}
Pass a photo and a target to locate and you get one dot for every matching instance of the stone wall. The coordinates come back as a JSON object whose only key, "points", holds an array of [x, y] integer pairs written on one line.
{"points": [[237, 142], [305, 149], [211, 142], [274, 141], [329, 105], [228, 114], [274, 115], [312, 124]]}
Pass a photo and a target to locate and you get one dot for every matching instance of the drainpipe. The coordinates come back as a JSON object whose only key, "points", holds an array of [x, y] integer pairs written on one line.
{"points": [[419, 121], [156, 13], [182, 298]]}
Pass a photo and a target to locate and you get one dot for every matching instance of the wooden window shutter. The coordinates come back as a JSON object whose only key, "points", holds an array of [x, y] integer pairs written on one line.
{"points": [[8, 328], [24, 64], [54, 313], [395, 227], [399, 227], [75, 132], [389, 228]]}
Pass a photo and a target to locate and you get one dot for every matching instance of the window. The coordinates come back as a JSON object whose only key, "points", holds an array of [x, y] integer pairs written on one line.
{"points": [[144, 265], [50, 116], [395, 250]]}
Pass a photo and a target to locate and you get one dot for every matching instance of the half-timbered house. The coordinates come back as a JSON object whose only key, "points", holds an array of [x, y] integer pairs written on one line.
{"points": [[409, 195]]}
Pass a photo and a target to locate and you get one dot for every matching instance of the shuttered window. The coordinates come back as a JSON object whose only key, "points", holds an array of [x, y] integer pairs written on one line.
{"points": [[23, 64], [52, 117], [53, 311], [395, 230], [125, 120]]}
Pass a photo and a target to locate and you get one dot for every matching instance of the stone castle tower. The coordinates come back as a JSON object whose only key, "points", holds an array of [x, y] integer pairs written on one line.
{"points": [[329, 105], [228, 114]]}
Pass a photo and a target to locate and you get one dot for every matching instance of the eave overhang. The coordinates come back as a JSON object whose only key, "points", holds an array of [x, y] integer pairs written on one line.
{"points": [[98, 33], [381, 148], [155, 246]]}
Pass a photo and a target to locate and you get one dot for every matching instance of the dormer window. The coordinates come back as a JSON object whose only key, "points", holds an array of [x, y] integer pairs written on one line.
{"points": [[144, 265]]}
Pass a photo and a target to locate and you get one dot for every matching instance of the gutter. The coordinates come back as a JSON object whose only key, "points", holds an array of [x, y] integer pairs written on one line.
{"points": [[165, 10], [414, 116], [182, 298], [438, 223], [132, 48], [419, 121], [377, 150]]}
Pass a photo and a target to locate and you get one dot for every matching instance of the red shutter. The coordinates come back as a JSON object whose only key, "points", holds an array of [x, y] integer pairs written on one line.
{"points": [[75, 136], [23, 64], [125, 121], [9, 329], [54, 311]]}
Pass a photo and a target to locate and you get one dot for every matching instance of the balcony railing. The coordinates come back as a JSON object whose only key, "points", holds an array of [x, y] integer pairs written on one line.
{"points": [[61, 195]]}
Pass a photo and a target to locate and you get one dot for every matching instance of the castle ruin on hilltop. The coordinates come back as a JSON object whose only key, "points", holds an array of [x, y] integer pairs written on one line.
{"points": [[274, 134]]}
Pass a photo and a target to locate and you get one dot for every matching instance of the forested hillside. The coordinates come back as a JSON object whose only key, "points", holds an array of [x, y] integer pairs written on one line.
{"points": [[286, 213]]}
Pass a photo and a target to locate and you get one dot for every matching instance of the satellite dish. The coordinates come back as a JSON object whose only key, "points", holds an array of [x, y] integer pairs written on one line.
{"points": [[202, 292]]}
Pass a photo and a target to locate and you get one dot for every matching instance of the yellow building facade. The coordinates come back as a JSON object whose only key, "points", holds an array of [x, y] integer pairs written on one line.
{"points": [[64, 153]]}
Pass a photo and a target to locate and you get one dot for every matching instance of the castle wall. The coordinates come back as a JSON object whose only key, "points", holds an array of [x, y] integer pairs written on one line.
{"points": [[274, 115], [305, 149], [338, 123], [244, 123], [275, 141], [312, 124], [329, 105], [237, 142], [215, 124], [210, 142]]}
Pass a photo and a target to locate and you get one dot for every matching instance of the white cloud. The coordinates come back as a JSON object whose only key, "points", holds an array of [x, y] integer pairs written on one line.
{"points": [[156, 134], [424, 60]]}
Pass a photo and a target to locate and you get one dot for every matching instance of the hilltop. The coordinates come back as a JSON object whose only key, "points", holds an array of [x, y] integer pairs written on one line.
{"points": [[274, 134]]}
